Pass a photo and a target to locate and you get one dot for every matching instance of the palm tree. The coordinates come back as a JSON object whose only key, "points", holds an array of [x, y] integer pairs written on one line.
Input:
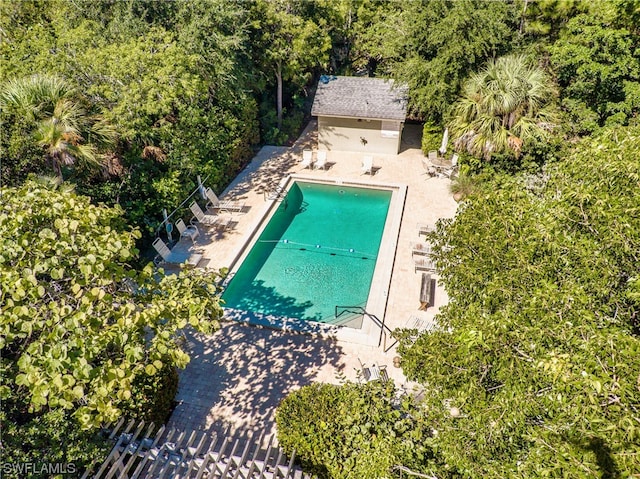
{"points": [[60, 136], [508, 103], [34, 96], [62, 128]]}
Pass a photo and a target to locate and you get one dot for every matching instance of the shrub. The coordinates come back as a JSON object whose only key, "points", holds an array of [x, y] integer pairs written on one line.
{"points": [[152, 398], [49, 438], [431, 137], [462, 186], [350, 431]]}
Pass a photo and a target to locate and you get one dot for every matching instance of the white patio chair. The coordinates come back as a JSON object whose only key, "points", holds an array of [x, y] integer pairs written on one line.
{"points": [[373, 372], [420, 248], [367, 165], [201, 217], [168, 256], [425, 228], [423, 263], [307, 159], [421, 324], [321, 160], [185, 231], [222, 205], [449, 172]]}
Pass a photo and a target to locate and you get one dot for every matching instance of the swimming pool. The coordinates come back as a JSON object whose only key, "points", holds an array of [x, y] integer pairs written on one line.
{"points": [[318, 250]]}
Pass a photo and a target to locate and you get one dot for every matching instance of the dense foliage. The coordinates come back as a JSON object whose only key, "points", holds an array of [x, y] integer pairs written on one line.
{"points": [[49, 112], [535, 372], [179, 103], [539, 348], [508, 103], [80, 331], [52, 437], [598, 67], [292, 45], [190, 87], [353, 430]]}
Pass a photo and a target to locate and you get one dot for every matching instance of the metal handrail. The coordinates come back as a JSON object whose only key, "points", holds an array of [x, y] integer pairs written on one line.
{"points": [[199, 189], [277, 191], [383, 327], [341, 319]]}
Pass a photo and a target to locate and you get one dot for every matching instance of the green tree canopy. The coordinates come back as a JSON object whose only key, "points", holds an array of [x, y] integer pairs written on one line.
{"points": [[598, 68], [433, 45], [78, 326], [544, 19], [287, 44], [508, 103], [535, 371], [65, 131], [180, 102], [353, 430]]}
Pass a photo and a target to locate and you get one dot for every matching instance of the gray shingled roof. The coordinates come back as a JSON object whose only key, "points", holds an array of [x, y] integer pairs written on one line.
{"points": [[360, 97]]}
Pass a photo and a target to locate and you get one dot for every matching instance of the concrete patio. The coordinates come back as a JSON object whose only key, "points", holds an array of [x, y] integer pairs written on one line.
{"points": [[238, 376]]}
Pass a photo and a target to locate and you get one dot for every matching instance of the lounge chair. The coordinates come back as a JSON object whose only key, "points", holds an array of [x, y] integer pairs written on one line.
{"points": [[168, 256], [321, 160], [421, 247], [374, 373], [307, 159], [367, 165], [429, 169], [203, 218], [421, 325], [424, 263], [190, 231], [424, 228], [225, 205]]}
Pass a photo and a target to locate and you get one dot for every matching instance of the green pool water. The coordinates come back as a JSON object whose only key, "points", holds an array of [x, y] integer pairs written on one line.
{"points": [[318, 250]]}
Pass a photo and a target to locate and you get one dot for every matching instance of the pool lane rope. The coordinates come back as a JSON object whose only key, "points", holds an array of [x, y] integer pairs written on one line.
{"points": [[318, 246]]}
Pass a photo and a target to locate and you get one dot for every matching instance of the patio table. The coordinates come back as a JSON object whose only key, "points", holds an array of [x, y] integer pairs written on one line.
{"points": [[441, 163]]}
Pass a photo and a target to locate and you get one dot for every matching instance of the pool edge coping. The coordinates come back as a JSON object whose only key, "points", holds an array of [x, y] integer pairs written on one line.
{"points": [[376, 303]]}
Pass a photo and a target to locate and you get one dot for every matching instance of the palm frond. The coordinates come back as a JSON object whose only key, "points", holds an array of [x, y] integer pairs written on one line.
{"points": [[502, 106], [34, 96]]}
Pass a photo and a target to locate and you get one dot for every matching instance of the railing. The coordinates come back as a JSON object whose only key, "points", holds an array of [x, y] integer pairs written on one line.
{"points": [[345, 317], [166, 221], [140, 452], [276, 193], [384, 329]]}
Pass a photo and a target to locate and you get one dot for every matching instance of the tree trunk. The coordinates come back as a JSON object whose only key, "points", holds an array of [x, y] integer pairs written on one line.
{"points": [[524, 14], [57, 169], [279, 94]]}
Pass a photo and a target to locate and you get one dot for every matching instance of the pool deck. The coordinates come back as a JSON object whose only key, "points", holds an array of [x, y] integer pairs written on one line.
{"points": [[238, 376]]}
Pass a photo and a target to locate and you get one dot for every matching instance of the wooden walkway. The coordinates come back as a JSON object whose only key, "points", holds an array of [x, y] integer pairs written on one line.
{"points": [[139, 453]]}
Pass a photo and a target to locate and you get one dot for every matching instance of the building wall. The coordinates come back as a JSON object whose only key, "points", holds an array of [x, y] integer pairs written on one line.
{"points": [[366, 136]]}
